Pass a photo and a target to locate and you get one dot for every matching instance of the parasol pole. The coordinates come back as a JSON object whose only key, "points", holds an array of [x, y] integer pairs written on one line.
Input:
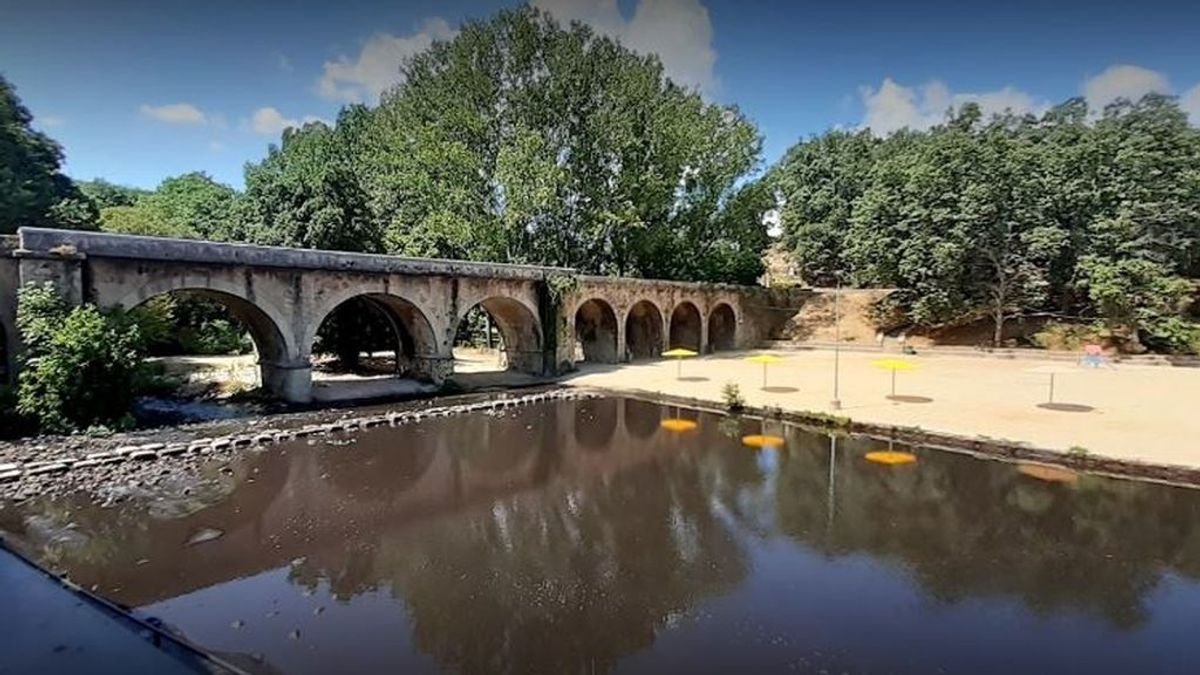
{"points": [[1051, 388]]}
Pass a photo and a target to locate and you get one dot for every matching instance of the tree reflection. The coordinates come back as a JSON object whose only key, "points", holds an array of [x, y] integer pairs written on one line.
{"points": [[968, 528]]}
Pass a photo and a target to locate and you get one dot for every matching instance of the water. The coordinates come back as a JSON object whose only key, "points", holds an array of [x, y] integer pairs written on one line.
{"points": [[583, 536]]}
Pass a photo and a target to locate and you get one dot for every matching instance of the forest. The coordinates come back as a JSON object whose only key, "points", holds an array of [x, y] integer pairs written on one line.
{"points": [[523, 140]]}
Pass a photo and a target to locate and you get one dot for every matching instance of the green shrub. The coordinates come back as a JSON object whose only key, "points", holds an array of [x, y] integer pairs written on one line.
{"points": [[731, 395], [81, 363]]}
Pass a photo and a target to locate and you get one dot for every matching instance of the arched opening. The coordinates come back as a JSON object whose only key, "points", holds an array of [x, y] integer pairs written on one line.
{"points": [[641, 418], [498, 334], [373, 345], [206, 344], [595, 423], [685, 327], [596, 332], [643, 331], [722, 328]]}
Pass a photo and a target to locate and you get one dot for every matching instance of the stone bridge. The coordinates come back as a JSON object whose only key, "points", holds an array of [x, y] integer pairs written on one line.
{"points": [[549, 318]]}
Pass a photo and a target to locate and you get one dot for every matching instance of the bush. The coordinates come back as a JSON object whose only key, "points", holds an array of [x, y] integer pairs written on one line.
{"points": [[81, 363], [731, 395]]}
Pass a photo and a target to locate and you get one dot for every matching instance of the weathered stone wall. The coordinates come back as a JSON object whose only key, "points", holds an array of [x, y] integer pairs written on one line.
{"points": [[283, 295]]}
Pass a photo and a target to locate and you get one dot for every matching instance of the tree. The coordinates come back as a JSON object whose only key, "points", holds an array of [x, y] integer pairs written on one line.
{"points": [[525, 141], [1063, 215], [192, 205], [81, 363], [306, 192], [33, 190], [105, 194]]}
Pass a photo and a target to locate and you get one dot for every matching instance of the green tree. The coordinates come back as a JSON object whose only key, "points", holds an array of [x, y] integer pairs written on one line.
{"points": [[525, 141], [192, 205], [306, 192], [33, 189], [105, 194], [81, 363]]}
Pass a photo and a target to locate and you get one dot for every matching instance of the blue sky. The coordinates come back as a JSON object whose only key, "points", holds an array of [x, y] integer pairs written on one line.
{"points": [[137, 91]]}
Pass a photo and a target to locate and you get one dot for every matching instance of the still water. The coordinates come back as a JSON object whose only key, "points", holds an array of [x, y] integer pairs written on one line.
{"points": [[583, 536]]}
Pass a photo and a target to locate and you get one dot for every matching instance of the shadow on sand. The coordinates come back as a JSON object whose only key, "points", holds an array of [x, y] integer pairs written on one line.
{"points": [[1066, 407], [898, 398]]}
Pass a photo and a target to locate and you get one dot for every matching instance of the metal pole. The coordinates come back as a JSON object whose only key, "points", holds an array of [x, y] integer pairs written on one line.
{"points": [[764, 374], [832, 477], [1051, 388], [836, 403], [893, 381]]}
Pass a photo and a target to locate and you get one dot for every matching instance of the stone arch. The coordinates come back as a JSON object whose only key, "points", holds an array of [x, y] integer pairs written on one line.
{"points": [[686, 326], [520, 330], [414, 341], [262, 318], [641, 418], [643, 331], [722, 328], [596, 423], [271, 343], [596, 331]]}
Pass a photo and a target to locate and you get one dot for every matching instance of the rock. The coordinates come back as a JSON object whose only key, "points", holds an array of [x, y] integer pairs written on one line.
{"points": [[264, 439], [200, 447], [143, 454], [204, 534], [10, 475], [151, 447], [125, 449], [220, 444], [45, 467], [9, 466], [173, 449], [85, 463], [242, 440]]}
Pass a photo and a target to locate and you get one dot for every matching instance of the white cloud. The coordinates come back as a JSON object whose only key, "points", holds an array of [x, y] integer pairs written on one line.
{"points": [[1189, 102], [377, 66], [678, 31], [175, 113], [1123, 81], [892, 106], [268, 121]]}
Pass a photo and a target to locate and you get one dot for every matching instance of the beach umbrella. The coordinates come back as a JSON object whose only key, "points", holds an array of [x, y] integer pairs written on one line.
{"points": [[677, 423], [894, 365], [679, 354], [890, 457], [1052, 369], [1050, 474], [765, 360]]}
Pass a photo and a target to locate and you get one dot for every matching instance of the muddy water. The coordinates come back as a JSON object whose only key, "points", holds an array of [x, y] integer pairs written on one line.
{"points": [[584, 536]]}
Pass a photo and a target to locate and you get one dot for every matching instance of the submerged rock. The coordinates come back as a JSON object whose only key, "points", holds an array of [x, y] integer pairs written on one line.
{"points": [[205, 534]]}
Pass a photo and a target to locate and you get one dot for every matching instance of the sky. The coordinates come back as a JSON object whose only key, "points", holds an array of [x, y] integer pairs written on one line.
{"points": [[139, 91]]}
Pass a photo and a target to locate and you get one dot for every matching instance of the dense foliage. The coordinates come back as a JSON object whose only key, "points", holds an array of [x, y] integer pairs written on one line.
{"points": [[524, 141], [1070, 214], [81, 363], [33, 190]]}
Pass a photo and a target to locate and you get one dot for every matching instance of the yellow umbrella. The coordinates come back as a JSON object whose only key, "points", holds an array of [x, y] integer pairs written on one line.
{"points": [[764, 359], [894, 365], [891, 457], [763, 441], [679, 354]]}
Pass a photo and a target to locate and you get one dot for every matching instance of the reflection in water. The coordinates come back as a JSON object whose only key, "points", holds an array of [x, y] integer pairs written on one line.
{"points": [[580, 536]]}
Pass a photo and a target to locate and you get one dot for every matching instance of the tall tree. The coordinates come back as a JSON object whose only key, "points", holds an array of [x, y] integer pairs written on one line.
{"points": [[33, 189], [522, 140]]}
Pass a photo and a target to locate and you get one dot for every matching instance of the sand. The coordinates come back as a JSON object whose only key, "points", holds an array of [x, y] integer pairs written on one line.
{"points": [[1142, 413]]}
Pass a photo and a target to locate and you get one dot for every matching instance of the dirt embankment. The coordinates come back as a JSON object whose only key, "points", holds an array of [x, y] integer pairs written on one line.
{"points": [[816, 322]]}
